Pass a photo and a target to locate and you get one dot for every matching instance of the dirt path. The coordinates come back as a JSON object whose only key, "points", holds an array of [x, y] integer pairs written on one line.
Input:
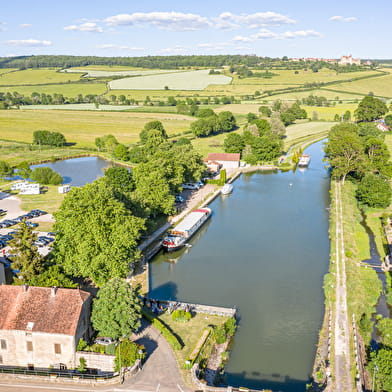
{"points": [[342, 366]]}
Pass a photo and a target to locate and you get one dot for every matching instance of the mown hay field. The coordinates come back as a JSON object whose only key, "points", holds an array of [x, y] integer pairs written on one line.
{"points": [[67, 89], [82, 127], [182, 80], [37, 76], [115, 68]]}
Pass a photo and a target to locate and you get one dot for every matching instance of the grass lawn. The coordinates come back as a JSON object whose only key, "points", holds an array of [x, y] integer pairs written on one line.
{"points": [[190, 331], [82, 127], [37, 76]]}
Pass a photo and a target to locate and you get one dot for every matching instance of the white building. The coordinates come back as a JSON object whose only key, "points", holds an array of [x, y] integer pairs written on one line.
{"points": [[349, 60], [30, 189], [226, 160]]}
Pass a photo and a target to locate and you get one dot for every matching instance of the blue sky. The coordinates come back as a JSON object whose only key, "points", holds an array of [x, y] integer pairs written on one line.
{"points": [[299, 28]]}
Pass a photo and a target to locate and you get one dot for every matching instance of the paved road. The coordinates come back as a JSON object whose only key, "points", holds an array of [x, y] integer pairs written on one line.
{"points": [[160, 373]]}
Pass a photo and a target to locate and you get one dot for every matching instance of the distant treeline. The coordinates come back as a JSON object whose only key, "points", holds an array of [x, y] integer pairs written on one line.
{"points": [[159, 62]]}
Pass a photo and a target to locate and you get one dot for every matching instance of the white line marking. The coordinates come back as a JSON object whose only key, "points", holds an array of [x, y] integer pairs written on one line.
{"points": [[158, 386], [181, 390]]}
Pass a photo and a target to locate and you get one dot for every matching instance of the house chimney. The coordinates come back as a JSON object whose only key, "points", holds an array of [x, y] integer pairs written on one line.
{"points": [[53, 291], [25, 288]]}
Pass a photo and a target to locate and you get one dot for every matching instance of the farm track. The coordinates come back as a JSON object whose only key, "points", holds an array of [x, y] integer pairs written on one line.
{"points": [[342, 365]]}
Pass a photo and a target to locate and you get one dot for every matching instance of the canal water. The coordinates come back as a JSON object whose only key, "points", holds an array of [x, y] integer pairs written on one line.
{"points": [[265, 251], [79, 171]]}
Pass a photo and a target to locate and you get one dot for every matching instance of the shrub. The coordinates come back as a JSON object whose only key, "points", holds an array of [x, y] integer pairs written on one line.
{"points": [[220, 334], [374, 191], [222, 179], [110, 349], [181, 315], [129, 352], [230, 326], [82, 344], [46, 176]]}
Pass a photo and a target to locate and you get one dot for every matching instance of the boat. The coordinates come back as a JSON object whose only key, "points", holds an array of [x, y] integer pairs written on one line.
{"points": [[180, 234], [304, 160], [226, 189]]}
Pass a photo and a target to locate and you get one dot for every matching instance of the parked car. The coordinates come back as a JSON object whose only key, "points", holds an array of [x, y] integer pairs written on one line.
{"points": [[191, 186], [179, 199], [31, 224], [104, 341], [2, 212]]}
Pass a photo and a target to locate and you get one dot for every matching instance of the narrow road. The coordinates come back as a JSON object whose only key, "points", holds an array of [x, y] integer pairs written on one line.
{"points": [[342, 366]]}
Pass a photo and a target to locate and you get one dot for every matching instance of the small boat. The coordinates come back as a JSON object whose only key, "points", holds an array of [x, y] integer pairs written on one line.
{"points": [[226, 189], [178, 237], [304, 160]]}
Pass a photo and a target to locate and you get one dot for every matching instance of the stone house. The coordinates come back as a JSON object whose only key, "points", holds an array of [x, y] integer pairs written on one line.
{"points": [[40, 327]]}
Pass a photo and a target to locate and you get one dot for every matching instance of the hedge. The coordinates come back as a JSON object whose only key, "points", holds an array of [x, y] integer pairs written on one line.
{"points": [[222, 179], [199, 346], [164, 330]]}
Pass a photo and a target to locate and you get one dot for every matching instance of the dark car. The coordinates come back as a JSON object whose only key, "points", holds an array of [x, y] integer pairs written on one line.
{"points": [[31, 224], [2, 212]]}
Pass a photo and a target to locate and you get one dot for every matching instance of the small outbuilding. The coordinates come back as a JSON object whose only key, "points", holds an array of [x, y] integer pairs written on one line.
{"points": [[30, 189]]}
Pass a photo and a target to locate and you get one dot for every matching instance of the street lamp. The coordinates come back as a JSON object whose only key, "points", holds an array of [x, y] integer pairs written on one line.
{"points": [[140, 352], [375, 369]]}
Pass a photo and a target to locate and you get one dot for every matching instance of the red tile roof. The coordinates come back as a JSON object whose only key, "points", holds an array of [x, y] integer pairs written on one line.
{"points": [[223, 157], [42, 310]]}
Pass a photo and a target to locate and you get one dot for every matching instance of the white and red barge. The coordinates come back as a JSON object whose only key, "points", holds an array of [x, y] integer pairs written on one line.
{"points": [[180, 234]]}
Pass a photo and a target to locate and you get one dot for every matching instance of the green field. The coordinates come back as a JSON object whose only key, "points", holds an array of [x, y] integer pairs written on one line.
{"points": [[182, 80], [37, 76], [381, 86], [298, 132], [328, 113], [290, 77], [67, 89], [108, 73], [6, 70], [82, 127]]}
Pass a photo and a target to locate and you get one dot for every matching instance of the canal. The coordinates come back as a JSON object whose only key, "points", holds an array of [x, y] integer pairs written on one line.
{"points": [[265, 250]]}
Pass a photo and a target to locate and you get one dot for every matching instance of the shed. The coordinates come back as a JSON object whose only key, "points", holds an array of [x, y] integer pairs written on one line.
{"points": [[227, 160]]}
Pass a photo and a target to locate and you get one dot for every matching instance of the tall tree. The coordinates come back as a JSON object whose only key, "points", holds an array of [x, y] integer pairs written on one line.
{"points": [[24, 169], [27, 260], [117, 309], [156, 125], [370, 109], [344, 150], [96, 234], [5, 169]]}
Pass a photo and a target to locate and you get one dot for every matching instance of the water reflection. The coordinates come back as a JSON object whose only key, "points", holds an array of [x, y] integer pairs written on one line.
{"points": [[79, 171]]}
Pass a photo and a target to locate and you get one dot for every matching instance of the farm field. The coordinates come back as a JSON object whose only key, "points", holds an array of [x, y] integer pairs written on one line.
{"points": [[243, 89], [182, 80], [6, 70], [79, 106], [103, 73], [381, 87], [328, 113], [82, 127], [322, 92], [67, 89], [304, 130], [37, 76], [290, 77]]}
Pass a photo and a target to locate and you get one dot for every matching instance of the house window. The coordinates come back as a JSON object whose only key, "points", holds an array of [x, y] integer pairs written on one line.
{"points": [[29, 346], [57, 348], [3, 344]]}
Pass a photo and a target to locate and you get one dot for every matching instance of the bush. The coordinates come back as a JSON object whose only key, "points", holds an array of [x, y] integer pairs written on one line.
{"points": [[222, 179], [181, 315], [230, 326], [374, 191], [55, 139], [46, 176], [166, 333], [82, 344], [129, 353], [220, 334], [110, 349]]}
